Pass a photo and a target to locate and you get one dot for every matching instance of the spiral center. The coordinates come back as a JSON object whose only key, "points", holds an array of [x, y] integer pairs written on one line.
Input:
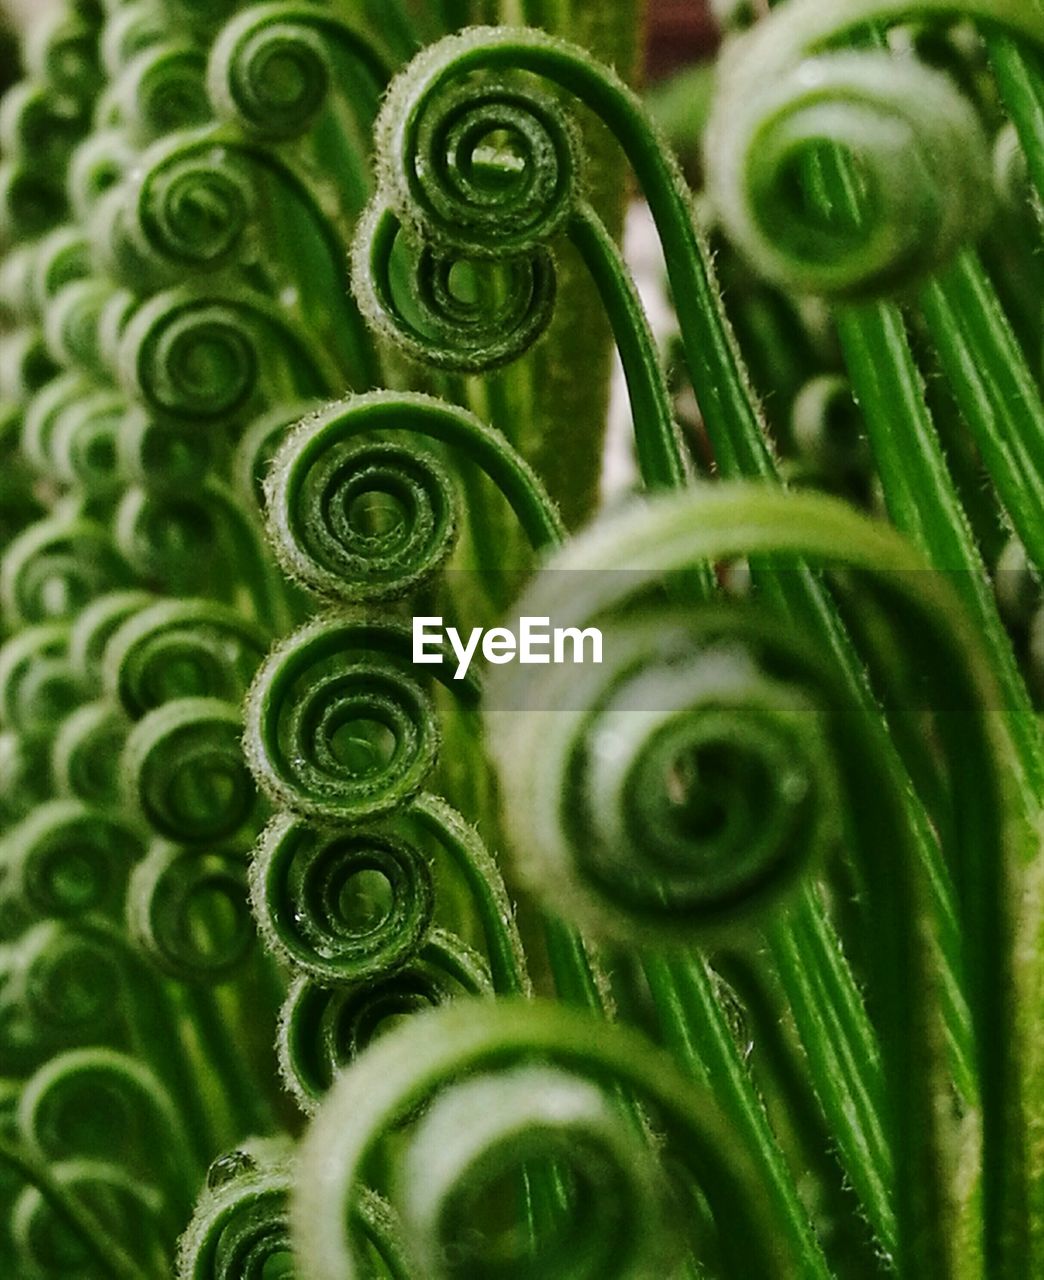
{"points": [[497, 161], [216, 925], [377, 515], [77, 878], [362, 746], [365, 901]]}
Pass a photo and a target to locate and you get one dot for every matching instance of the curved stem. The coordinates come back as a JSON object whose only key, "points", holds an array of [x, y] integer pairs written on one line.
{"points": [[1019, 77], [661, 453]]}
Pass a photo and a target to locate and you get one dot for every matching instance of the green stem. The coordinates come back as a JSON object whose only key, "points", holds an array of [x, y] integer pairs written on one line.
{"points": [[995, 390], [1018, 73], [696, 1030], [922, 500]]}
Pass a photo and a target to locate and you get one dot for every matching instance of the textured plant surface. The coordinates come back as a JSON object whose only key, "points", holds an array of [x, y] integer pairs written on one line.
{"points": [[720, 959]]}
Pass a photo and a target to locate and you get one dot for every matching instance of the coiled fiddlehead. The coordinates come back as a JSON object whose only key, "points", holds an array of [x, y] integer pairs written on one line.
{"points": [[162, 89], [330, 480], [270, 68], [189, 205], [507, 1084], [64, 256], [167, 458], [61, 49], [198, 542], [83, 447], [26, 365], [68, 983], [669, 745], [114, 1198], [85, 753], [464, 315], [193, 355], [337, 726], [105, 1105], [128, 30], [188, 909], [55, 567], [349, 905], [43, 413], [37, 681], [667, 536], [96, 624], [921, 156], [480, 167], [100, 162], [73, 325], [183, 771], [39, 128], [65, 859], [239, 1229], [322, 1030], [180, 649], [475, 170]]}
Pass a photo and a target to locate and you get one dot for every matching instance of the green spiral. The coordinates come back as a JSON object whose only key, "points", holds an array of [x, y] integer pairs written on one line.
{"points": [[187, 907], [100, 162], [369, 520], [128, 30], [38, 127], [55, 568], [94, 626], [164, 457], [239, 1229], [84, 445], [337, 725], [68, 982], [72, 321], [694, 778], [43, 1241], [102, 1104], [322, 1030], [371, 513], [44, 412], [160, 90], [350, 904], [66, 859], [186, 356], [196, 542], [478, 1094], [61, 258], [921, 158], [463, 314], [190, 203], [26, 366], [270, 68], [85, 752], [183, 771], [180, 649], [37, 681], [62, 49], [478, 166]]}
